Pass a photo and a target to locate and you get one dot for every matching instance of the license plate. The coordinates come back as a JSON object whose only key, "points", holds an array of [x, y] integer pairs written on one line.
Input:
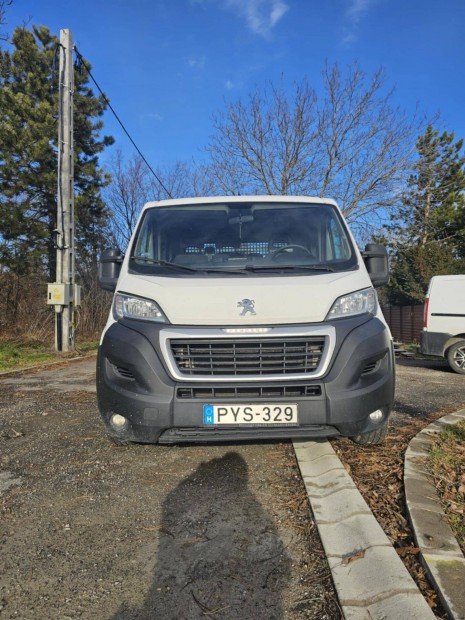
{"points": [[250, 414]]}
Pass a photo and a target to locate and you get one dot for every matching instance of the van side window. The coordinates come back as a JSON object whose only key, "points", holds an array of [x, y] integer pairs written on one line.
{"points": [[144, 246], [336, 244]]}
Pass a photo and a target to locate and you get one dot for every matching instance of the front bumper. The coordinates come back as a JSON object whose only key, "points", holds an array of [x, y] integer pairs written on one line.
{"points": [[434, 343], [134, 381]]}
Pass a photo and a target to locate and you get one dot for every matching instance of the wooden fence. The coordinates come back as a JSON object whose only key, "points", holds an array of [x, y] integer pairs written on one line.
{"points": [[406, 322]]}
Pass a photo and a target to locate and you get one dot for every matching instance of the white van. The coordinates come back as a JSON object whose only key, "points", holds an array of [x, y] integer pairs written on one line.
{"points": [[244, 318], [444, 320]]}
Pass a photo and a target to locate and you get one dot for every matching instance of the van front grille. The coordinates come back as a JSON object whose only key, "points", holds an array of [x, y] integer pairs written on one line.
{"points": [[248, 357], [249, 391]]}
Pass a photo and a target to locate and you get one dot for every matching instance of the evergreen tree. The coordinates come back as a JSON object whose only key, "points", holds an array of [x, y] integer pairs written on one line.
{"points": [[28, 154], [434, 202], [414, 266], [430, 223]]}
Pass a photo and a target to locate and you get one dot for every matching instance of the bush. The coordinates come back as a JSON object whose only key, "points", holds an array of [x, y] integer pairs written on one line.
{"points": [[25, 316]]}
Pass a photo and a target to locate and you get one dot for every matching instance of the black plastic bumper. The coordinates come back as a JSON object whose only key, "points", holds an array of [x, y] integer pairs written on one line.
{"points": [[434, 343], [132, 381]]}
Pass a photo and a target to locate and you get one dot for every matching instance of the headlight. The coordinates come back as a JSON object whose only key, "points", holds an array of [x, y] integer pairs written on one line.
{"points": [[353, 304], [132, 307]]}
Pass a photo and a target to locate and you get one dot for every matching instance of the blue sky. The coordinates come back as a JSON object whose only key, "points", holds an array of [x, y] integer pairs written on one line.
{"points": [[169, 65]]}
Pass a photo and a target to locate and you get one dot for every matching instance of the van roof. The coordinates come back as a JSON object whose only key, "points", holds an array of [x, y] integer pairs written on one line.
{"points": [[239, 199], [457, 276]]}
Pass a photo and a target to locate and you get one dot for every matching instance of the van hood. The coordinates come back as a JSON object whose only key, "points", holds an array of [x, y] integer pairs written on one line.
{"points": [[241, 301]]}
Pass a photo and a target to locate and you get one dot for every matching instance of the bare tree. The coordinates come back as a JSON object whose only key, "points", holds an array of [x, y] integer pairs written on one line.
{"points": [[369, 145], [129, 189], [133, 185], [201, 181], [180, 180], [3, 6], [349, 143], [267, 145]]}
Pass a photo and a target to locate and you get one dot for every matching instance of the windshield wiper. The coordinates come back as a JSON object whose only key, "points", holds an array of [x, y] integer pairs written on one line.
{"points": [[230, 272], [288, 268], [164, 263], [233, 271]]}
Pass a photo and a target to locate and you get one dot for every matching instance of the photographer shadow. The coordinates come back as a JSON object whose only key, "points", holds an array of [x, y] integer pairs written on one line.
{"points": [[219, 552]]}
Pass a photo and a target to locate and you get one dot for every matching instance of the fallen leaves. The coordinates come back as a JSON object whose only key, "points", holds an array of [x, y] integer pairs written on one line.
{"points": [[378, 473], [353, 556], [403, 551]]}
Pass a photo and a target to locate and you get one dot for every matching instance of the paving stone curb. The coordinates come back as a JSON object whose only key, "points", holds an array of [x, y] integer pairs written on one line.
{"points": [[370, 579], [440, 553]]}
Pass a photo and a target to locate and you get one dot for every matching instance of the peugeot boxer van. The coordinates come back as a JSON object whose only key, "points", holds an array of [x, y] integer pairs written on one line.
{"points": [[444, 320], [244, 318]]}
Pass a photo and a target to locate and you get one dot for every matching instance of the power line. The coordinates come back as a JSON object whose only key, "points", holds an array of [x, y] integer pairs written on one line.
{"points": [[86, 66]]}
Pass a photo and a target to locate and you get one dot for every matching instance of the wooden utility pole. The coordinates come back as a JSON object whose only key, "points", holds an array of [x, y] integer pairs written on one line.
{"points": [[64, 292]]}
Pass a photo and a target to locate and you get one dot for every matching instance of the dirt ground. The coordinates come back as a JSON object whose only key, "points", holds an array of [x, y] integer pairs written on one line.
{"points": [[92, 530]]}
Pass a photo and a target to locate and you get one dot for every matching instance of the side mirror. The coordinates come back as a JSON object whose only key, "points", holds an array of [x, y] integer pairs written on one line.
{"points": [[109, 267], [377, 263]]}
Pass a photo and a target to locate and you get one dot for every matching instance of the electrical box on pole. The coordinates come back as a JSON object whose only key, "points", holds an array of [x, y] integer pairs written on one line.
{"points": [[64, 294]]}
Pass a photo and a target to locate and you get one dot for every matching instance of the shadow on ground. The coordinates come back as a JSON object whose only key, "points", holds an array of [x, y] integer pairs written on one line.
{"points": [[218, 556], [435, 364]]}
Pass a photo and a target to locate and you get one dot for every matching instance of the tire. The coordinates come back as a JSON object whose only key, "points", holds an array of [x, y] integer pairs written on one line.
{"points": [[371, 438], [456, 357], [117, 440]]}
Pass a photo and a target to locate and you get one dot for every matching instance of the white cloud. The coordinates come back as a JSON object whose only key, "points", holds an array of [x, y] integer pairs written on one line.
{"points": [[155, 116], [349, 38], [197, 62], [356, 10], [260, 15]]}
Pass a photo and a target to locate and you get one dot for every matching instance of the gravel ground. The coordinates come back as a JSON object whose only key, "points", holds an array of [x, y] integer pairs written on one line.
{"points": [[426, 386], [92, 530]]}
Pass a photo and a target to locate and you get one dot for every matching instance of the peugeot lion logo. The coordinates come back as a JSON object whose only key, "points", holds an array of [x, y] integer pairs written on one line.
{"points": [[247, 305]]}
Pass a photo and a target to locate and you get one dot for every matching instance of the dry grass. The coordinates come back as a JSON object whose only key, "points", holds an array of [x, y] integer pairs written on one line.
{"points": [[448, 469]]}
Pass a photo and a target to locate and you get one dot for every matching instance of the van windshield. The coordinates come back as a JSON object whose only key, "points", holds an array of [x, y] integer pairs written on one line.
{"points": [[208, 239]]}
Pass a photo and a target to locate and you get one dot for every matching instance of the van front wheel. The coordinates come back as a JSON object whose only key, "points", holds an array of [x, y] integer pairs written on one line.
{"points": [[371, 438], [456, 357]]}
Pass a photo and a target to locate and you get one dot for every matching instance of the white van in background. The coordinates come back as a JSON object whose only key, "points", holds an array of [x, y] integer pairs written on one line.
{"points": [[244, 318], [444, 320]]}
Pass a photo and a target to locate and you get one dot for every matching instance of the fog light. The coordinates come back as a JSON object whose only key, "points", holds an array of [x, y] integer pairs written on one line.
{"points": [[376, 416], [118, 421]]}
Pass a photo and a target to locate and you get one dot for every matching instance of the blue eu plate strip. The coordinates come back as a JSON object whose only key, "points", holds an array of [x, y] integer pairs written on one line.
{"points": [[208, 416]]}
